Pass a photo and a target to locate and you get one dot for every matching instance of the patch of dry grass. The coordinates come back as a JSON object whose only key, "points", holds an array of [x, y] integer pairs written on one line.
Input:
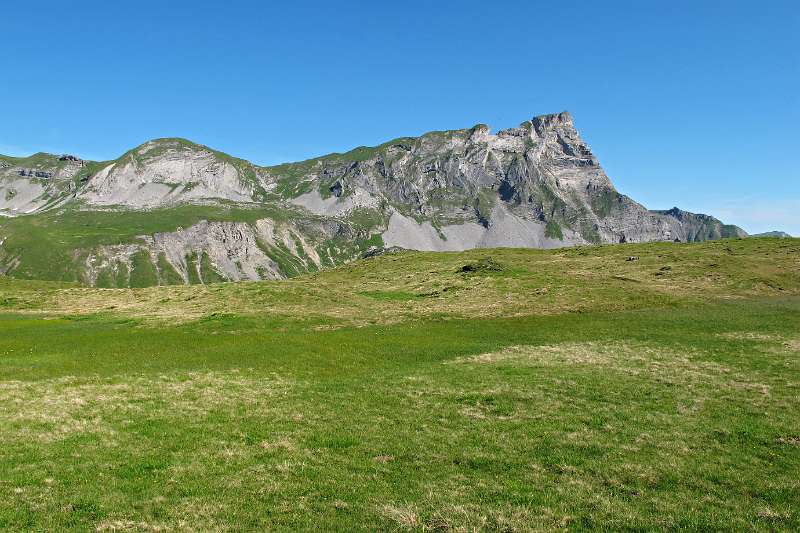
{"points": [[52, 410], [749, 336], [633, 358], [417, 285], [130, 525], [404, 517]]}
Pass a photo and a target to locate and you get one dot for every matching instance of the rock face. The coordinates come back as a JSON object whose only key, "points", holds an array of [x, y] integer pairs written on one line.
{"points": [[774, 234], [702, 227], [205, 252], [35, 183], [537, 185], [170, 171]]}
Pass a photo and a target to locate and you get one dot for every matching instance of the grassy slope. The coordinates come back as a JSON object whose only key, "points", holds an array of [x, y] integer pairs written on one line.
{"points": [[46, 242], [420, 285], [608, 394], [39, 160]]}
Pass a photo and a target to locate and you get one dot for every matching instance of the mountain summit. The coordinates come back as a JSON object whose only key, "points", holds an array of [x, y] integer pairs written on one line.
{"points": [[172, 211]]}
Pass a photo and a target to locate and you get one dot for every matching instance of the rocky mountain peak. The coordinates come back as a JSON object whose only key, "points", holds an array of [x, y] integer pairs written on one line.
{"points": [[553, 121], [172, 170], [535, 185], [167, 145]]}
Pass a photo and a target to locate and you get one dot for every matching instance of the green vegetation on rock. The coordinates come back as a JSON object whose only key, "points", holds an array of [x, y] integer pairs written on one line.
{"points": [[143, 272], [553, 230], [603, 201]]}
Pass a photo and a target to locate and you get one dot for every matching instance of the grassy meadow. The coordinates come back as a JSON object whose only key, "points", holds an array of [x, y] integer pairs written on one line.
{"points": [[652, 386]]}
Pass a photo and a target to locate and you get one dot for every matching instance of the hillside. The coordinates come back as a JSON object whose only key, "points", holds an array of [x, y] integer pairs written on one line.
{"points": [[779, 234], [633, 386], [407, 285], [174, 212]]}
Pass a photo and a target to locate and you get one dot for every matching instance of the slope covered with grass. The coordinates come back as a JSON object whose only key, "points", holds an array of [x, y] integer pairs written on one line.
{"points": [[406, 286], [54, 244], [509, 390], [78, 245]]}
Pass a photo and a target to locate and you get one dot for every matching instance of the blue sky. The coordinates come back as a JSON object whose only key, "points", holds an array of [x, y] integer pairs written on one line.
{"points": [[694, 104]]}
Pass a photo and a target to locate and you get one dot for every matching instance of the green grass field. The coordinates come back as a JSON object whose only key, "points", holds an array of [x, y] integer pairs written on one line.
{"points": [[497, 390]]}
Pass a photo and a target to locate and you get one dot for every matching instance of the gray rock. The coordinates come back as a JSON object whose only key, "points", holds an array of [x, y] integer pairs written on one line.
{"points": [[775, 234], [540, 175]]}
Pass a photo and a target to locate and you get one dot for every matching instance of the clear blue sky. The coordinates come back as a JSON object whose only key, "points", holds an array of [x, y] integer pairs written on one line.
{"points": [[687, 103]]}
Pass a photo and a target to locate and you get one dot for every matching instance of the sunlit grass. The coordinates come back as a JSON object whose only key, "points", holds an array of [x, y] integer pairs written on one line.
{"points": [[568, 389]]}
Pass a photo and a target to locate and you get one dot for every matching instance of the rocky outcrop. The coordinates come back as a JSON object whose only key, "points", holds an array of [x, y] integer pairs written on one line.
{"points": [[36, 183], [170, 171], [214, 251], [694, 227], [774, 234]]}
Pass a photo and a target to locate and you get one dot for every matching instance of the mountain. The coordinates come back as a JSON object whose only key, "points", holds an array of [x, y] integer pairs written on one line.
{"points": [[172, 211], [700, 227], [777, 234]]}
